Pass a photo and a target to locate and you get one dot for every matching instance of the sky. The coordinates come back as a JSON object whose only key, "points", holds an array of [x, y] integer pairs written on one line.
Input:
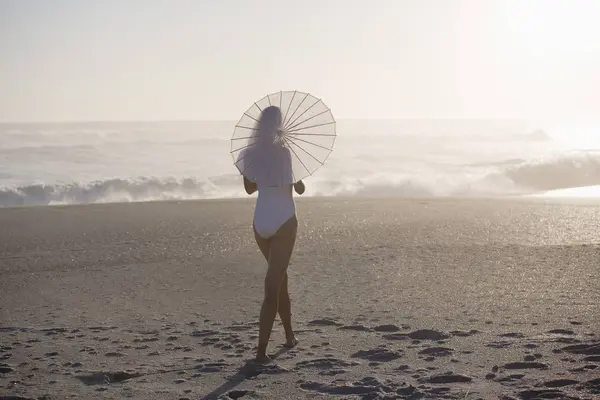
{"points": [[74, 60]]}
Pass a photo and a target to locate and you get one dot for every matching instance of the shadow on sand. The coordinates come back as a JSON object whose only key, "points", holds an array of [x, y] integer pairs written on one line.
{"points": [[249, 370]]}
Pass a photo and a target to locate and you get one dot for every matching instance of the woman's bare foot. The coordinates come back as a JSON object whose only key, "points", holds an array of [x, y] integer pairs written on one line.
{"points": [[291, 342], [262, 359]]}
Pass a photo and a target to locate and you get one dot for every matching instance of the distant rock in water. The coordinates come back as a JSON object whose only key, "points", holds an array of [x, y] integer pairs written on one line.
{"points": [[539, 135]]}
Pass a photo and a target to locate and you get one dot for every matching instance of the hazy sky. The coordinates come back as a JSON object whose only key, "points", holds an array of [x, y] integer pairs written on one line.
{"points": [[209, 59]]}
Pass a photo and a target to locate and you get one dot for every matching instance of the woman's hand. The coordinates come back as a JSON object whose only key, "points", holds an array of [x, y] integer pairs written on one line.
{"points": [[250, 187], [299, 187]]}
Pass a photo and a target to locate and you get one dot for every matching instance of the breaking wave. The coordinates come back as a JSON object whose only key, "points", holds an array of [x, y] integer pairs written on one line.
{"points": [[115, 190], [510, 177], [567, 171]]}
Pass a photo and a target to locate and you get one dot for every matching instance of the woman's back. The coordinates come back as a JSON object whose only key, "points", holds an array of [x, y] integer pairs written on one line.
{"points": [[267, 164], [274, 206]]}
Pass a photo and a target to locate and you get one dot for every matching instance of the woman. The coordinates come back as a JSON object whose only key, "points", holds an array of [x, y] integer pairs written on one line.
{"points": [[267, 168]]}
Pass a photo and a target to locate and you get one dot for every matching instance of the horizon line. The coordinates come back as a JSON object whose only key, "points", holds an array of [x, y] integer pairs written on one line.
{"points": [[100, 121]]}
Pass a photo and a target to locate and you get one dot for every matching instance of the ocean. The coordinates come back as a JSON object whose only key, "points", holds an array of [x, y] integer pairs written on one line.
{"points": [[98, 162]]}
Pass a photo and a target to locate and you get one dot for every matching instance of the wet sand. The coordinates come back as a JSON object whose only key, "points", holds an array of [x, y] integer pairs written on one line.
{"points": [[392, 298]]}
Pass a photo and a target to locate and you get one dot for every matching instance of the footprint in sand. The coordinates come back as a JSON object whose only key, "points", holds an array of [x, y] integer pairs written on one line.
{"points": [[53, 331], [333, 372], [210, 341], [145, 340], [388, 328], [396, 336], [560, 383], [97, 329], [516, 335], [358, 328], [370, 388], [525, 365], [448, 377], [510, 379], [380, 354], [428, 334], [104, 378], [584, 349], [465, 333], [241, 327], [114, 354], [238, 394], [252, 370], [212, 367], [499, 345], [593, 386], [585, 368], [325, 363], [204, 333], [437, 351], [561, 332], [6, 369], [532, 394], [324, 322]]}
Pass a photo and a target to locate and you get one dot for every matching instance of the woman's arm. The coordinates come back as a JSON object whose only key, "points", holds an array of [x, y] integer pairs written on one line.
{"points": [[250, 187], [299, 187]]}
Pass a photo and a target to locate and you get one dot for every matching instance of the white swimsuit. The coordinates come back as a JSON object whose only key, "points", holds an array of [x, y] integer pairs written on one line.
{"points": [[274, 207]]}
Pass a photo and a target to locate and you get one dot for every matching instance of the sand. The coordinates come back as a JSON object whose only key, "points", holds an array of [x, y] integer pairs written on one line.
{"points": [[392, 299]]}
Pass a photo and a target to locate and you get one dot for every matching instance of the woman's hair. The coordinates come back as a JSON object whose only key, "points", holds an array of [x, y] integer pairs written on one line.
{"points": [[266, 160], [268, 125]]}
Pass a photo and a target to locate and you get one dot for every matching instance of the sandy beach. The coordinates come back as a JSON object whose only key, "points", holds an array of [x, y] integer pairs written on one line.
{"points": [[391, 299]]}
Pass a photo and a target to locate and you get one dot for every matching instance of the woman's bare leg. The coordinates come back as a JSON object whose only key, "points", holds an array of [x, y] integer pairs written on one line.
{"points": [[281, 247], [263, 244], [285, 313], [284, 306], [268, 310]]}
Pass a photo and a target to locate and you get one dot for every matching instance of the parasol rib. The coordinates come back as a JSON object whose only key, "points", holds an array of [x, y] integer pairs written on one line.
{"points": [[299, 159], [296, 110], [312, 126], [312, 134], [306, 141], [308, 119], [242, 148], [289, 105], [250, 116], [246, 127], [303, 112], [304, 150]]}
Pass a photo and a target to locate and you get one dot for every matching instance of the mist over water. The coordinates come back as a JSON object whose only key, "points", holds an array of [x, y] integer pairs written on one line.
{"points": [[77, 163]]}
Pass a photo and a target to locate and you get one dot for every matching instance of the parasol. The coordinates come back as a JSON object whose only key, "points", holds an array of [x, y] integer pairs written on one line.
{"points": [[283, 138]]}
